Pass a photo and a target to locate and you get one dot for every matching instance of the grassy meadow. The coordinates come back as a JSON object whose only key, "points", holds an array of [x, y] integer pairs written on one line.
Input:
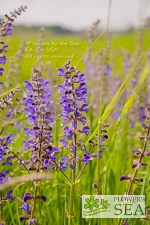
{"points": [[117, 95]]}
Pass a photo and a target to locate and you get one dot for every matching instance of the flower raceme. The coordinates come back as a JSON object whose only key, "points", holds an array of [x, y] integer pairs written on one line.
{"points": [[74, 105], [5, 30], [37, 104], [38, 110]]}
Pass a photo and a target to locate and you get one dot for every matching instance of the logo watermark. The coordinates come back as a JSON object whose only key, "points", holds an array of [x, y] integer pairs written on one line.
{"points": [[113, 206]]}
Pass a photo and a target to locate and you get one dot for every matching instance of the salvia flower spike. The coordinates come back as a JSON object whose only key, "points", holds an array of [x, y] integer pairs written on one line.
{"points": [[5, 30], [37, 104], [74, 106]]}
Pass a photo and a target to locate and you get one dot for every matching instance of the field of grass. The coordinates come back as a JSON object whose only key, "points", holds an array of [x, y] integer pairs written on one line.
{"points": [[115, 96]]}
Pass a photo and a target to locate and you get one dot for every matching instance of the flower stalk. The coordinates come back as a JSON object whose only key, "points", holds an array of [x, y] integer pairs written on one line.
{"points": [[38, 110]]}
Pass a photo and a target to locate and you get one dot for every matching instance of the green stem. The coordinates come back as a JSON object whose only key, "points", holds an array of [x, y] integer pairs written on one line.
{"points": [[67, 178], [71, 204], [81, 172], [21, 162], [98, 155], [34, 201], [101, 98], [72, 191]]}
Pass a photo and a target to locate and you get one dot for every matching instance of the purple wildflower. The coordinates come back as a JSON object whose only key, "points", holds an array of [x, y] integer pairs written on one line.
{"points": [[73, 102], [38, 110]]}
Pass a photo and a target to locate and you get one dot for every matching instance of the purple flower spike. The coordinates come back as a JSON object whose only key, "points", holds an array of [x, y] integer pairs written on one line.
{"points": [[38, 110], [73, 100]]}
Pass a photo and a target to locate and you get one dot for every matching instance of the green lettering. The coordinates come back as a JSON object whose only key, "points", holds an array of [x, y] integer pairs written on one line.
{"points": [[118, 209], [137, 210], [126, 209]]}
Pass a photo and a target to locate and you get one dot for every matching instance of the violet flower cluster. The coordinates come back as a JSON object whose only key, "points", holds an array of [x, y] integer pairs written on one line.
{"points": [[5, 141], [5, 30], [74, 104], [38, 110], [3, 49]]}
